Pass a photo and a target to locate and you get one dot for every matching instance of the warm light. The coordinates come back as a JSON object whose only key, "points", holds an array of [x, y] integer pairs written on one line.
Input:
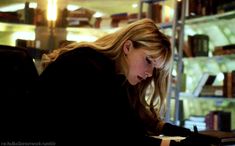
{"points": [[52, 10], [33, 5], [168, 14]]}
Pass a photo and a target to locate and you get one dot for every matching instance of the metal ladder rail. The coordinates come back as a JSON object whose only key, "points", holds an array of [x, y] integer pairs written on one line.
{"points": [[176, 25], [179, 58]]}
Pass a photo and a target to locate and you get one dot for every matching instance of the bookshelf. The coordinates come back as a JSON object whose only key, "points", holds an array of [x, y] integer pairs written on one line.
{"points": [[218, 100], [221, 32], [213, 65], [9, 32], [218, 27]]}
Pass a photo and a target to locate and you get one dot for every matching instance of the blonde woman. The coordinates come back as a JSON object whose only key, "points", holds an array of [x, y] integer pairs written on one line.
{"points": [[111, 90]]}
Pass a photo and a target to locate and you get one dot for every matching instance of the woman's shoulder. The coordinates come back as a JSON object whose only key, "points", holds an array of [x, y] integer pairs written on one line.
{"points": [[86, 56], [84, 52]]}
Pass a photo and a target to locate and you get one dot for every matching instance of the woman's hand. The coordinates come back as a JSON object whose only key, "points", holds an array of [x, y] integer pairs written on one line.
{"points": [[173, 130]]}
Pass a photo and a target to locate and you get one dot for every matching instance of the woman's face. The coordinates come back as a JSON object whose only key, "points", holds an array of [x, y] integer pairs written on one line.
{"points": [[140, 64]]}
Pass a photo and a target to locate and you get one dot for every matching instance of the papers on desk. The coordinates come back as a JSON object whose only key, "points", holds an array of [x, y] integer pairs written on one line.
{"points": [[176, 138]]}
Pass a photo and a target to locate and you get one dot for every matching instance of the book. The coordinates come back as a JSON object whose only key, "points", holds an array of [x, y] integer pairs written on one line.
{"points": [[219, 137], [229, 84], [199, 45], [206, 79], [218, 120], [195, 120], [190, 125], [224, 50], [212, 91]]}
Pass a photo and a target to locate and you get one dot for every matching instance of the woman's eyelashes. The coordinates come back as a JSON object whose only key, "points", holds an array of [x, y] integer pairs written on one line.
{"points": [[148, 60]]}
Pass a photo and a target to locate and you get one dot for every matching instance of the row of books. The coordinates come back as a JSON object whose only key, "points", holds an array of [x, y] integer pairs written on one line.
{"points": [[214, 120], [11, 17], [78, 17], [156, 15], [224, 50], [198, 8], [218, 120], [205, 87], [198, 45], [209, 7], [26, 16], [81, 17]]}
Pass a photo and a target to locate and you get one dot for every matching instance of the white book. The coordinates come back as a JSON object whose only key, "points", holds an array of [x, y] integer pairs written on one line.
{"points": [[192, 123], [197, 118], [206, 77]]}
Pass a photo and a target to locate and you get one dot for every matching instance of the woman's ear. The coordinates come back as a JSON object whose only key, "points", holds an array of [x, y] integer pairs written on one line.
{"points": [[127, 46]]}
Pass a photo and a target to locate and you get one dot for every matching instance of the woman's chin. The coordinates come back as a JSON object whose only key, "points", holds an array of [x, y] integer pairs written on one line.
{"points": [[132, 82]]}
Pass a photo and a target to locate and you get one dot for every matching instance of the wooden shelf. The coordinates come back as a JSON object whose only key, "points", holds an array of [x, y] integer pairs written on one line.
{"points": [[217, 99], [16, 27], [202, 19]]}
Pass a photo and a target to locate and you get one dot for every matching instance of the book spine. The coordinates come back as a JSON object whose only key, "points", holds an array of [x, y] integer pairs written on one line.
{"points": [[227, 83]]}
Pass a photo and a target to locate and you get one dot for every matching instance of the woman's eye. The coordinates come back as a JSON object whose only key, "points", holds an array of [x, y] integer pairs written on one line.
{"points": [[148, 60]]}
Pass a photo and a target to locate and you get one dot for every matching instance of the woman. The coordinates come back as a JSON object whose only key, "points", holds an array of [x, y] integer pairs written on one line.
{"points": [[111, 90]]}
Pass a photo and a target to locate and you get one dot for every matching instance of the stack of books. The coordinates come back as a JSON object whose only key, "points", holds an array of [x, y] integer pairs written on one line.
{"points": [[219, 138], [218, 120]]}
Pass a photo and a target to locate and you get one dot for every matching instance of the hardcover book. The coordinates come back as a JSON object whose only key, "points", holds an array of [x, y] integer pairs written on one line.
{"points": [[220, 137], [206, 79]]}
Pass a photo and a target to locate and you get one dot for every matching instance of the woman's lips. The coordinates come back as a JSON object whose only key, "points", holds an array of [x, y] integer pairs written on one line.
{"points": [[140, 78]]}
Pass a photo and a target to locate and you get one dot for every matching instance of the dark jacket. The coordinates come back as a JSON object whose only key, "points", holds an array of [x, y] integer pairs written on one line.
{"points": [[83, 100]]}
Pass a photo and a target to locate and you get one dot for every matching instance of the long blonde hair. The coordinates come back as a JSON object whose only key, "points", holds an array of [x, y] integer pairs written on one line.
{"points": [[145, 33]]}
